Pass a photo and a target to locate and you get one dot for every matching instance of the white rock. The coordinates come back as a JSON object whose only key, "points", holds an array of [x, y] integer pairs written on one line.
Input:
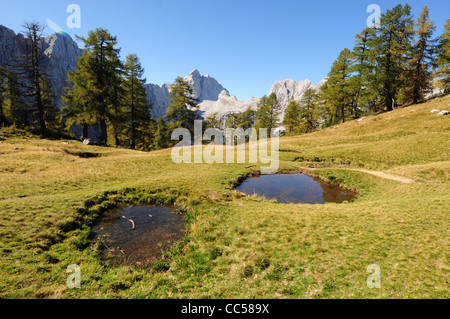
{"points": [[204, 87], [434, 111]]}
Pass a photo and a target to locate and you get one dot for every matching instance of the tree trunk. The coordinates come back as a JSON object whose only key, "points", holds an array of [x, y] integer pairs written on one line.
{"points": [[36, 80], [104, 133], [342, 113], [117, 140], [85, 132]]}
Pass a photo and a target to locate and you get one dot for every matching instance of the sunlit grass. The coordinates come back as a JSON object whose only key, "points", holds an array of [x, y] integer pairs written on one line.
{"points": [[237, 246]]}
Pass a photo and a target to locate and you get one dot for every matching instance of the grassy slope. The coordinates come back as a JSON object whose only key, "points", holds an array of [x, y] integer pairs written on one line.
{"points": [[240, 246]]}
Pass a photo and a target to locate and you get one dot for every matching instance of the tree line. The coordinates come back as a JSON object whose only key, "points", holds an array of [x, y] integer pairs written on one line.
{"points": [[103, 92], [396, 63], [26, 95]]}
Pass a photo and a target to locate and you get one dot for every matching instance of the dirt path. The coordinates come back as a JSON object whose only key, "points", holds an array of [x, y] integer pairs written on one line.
{"points": [[393, 177]]}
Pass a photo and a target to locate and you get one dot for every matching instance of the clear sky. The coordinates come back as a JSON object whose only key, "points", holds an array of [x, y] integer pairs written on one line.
{"points": [[245, 44]]}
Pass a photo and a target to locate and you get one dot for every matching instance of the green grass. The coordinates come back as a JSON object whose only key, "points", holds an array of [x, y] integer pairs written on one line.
{"points": [[236, 246]]}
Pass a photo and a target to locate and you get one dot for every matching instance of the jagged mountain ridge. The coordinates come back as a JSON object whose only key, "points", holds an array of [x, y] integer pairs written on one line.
{"points": [[61, 52], [214, 99]]}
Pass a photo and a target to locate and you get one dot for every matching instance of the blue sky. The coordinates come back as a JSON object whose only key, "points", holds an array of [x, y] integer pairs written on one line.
{"points": [[245, 44]]}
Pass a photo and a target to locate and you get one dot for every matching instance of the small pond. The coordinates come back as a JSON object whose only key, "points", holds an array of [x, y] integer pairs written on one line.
{"points": [[295, 189], [138, 235]]}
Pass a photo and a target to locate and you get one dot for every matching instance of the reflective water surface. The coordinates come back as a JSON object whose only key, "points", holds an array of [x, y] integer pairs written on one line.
{"points": [[295, 189], [138, 235]]}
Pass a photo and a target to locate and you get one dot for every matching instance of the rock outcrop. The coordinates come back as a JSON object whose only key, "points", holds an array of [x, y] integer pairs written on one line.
{"points": [[290, 89], [60, 52]]}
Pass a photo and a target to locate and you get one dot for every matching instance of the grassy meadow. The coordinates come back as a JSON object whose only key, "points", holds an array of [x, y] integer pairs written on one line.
{"points": [[236, 246]]}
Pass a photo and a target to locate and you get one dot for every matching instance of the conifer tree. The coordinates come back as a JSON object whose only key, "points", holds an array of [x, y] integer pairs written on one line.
{"points": [[160, 140], [337, 92], [137, 109], [308, 111], [78, 99], [389, 47], [362, 68], [3, 120], [232, 121], [212, 121], [182, 110], [442, 71], [13, 106], [97, 78], [419, 72], [268, 113], [30, 71], [292, 120], [246, 119]]}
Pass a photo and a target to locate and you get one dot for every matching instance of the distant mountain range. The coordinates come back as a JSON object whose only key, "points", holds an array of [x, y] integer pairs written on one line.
{"points": [[61, 51]]}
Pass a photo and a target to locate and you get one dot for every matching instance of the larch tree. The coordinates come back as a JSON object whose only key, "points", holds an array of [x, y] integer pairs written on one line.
{"points": [[3, 88], [308, 111], [79, 96], [390, 47], [246, 119], [421, 59], [362, 69], [30, 69], [99, 68], [12, 101], [161, 138], [137, 108], [292, 120], [268, 113], [337, 91], [442, 70], [182, 110]]}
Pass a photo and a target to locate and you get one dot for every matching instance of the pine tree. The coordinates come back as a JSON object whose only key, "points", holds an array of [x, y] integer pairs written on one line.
{"points": [[389, 47], [419, 72], [337, 92], [137, 109], [181, 112], [292, 120], [442, 71], [160, 140]]}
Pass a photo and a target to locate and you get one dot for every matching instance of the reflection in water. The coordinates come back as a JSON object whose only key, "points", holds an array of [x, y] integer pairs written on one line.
{"points": [[295, 189], [138, 235]]}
